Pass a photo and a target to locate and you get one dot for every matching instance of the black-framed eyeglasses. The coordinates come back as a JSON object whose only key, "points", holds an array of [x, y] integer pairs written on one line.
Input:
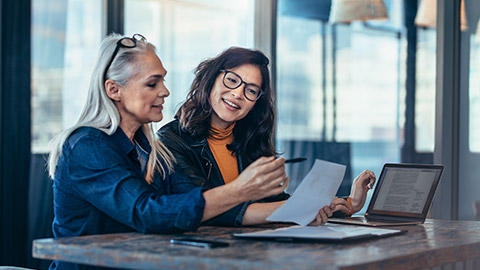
{"points": [[125, 42], [232, 80]]}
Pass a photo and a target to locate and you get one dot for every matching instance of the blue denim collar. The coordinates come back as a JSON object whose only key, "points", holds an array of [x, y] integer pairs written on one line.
{"points": [[126, 145], [142, 140]]}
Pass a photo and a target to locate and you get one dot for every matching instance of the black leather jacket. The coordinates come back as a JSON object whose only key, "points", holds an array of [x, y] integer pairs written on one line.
{"points": [[194, 157]]}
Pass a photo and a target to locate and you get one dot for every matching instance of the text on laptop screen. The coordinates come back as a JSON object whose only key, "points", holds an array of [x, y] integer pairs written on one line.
{"points": [[405, 190]]}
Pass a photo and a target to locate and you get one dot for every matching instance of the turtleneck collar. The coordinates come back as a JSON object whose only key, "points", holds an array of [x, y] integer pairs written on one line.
{"points": [[221, 134]]}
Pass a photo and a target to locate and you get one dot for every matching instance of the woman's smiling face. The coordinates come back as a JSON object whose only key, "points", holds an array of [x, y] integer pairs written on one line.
{"points": [[230, 105]]}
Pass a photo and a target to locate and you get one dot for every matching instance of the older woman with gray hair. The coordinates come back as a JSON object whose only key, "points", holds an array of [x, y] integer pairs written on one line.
{"points": [[103, 167]]}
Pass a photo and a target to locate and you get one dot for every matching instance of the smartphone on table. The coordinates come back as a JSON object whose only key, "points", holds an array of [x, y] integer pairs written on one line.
{"points": [[198, 243]]}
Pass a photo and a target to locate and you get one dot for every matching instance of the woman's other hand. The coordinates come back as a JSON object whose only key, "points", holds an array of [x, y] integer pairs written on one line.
{"points": [[263, 178], [360, 187], [339, 204], [325, 212]]}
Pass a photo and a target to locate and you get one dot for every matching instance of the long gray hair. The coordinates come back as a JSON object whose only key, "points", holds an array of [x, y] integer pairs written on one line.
{"points": [[100, 111]]}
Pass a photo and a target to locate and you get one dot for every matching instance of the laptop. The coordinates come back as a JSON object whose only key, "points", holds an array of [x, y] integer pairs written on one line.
{"points": [[403, 196]]}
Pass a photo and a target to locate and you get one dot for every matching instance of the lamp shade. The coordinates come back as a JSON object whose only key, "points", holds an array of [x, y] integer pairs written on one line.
{"points": [[427, 14], [345, 11]]}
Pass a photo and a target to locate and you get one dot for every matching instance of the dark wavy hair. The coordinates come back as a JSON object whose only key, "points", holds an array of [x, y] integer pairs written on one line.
{"points": [[252, 135]]}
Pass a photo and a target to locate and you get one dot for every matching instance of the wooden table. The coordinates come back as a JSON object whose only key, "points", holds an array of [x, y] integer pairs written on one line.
{"points": [[435, 243]]}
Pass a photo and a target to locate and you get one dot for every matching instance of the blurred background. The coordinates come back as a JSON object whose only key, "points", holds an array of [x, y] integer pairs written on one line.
{"points": [[359, 83]]}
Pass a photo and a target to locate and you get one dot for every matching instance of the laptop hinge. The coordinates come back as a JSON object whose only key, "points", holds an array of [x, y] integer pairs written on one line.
{"points": [[373, 216]]}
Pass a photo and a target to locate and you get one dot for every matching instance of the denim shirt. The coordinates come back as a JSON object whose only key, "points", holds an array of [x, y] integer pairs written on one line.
{"points": [[99, 188]]}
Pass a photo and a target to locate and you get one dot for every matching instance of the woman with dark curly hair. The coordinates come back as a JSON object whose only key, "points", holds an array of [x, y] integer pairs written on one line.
{"points": [[224, 131]]}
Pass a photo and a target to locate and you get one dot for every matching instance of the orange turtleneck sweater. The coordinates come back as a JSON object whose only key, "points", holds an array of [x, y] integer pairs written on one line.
{"points": [[226, 160]]}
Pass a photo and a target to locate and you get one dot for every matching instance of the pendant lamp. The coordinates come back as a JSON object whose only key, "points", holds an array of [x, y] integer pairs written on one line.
{"points": [[346, 11], [427, 14]]}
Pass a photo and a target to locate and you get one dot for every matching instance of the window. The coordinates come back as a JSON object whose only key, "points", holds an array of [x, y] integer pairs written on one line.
{"points": [[187, 32], [474, 92], [469, 122], [341, 89], [65, 39], [425, 90]]}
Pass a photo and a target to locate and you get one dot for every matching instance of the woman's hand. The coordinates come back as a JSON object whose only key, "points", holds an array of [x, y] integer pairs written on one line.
{"points": [[325, 212], [342, 205], [360, 187], [263, 178]]}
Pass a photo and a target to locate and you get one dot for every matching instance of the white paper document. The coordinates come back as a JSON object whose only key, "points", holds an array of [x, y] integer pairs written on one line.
{"points": [[325, 232], [316, 190]]}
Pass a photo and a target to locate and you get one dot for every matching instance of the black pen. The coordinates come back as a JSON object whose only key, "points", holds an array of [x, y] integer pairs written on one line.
{"points": [[295, 160]]}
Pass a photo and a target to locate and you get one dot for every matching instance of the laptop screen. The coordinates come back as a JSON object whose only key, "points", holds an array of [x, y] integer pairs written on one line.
{"points": [[405, 190]]}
